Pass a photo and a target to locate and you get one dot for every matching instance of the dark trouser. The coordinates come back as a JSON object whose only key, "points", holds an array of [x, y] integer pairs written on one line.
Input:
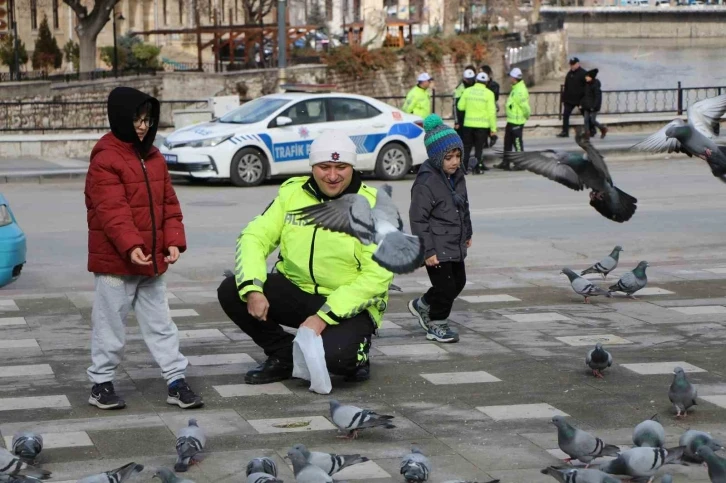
{"points": [[476, 137], [566, 117], [447, 282], [346, 344], [591, 121], [513, 139]]}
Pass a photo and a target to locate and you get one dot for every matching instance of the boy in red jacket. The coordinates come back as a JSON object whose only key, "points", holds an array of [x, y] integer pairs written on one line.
{"points": [[135, 231]]}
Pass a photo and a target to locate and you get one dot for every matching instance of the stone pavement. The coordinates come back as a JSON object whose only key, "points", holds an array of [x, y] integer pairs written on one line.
{"points": [[480, 408]]}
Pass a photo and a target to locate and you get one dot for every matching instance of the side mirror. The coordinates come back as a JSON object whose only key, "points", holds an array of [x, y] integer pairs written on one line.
{"points": [[283, 121]]}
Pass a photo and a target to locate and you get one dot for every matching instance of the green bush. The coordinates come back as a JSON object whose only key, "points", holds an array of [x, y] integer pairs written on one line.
{"points": [[146, 55], [47, 54], [7, 52], [72, 53], [357, 61], [133, 54]]}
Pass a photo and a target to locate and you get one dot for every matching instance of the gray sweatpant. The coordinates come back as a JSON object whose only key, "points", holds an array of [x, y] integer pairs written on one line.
{"points": [[114, 298]]}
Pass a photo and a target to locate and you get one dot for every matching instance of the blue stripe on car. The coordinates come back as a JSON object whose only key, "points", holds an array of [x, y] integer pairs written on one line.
{"points": [[408, 130]]}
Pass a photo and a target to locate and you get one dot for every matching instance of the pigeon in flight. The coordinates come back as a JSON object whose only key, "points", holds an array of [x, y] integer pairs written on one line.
{"points": [[578, 171], [632, 281], [598, 359], [583, 286], [606, 265], [352, 214], [694, 137]]}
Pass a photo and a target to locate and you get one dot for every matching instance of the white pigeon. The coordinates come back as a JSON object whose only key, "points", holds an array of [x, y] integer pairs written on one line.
{"points": [[353, 419], [330, 463], [352, 214], [119, 475], [190, 441], [11, 465]]}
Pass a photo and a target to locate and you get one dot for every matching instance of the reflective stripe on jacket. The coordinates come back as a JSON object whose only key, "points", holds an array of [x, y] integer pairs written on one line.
{"points": [[518, 110], [479, 107]]}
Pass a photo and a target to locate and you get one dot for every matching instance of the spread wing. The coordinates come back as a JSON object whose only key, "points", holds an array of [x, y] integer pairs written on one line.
{"points": [[659, 143], [704, 113], [385, 208], [547, 163], [594, 156], [339, 215]]}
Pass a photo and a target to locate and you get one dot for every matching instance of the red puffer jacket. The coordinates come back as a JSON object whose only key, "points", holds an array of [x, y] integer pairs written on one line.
{"points": [[131, 203]]}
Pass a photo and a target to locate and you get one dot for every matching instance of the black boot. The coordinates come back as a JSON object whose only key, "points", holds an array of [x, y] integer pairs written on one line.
{"points": [[363, 373], [563, 134], [272, 370]]}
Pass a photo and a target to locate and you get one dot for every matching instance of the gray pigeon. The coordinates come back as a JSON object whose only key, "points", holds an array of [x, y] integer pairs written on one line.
{"points": [[695, 137], [606, 265], [578, 475], [330, 463], [632, 281], [681, 392], [693, 439], [716, 464], [259, 477], [649, 433], [598, 359], [353, 419], [583, 286], [262, 465], [190, 441], [642, 463], [382, 225], [415, 466], [578, 171], [304, 471], [579, 444], [18, 479], [119, 475], [168, 476], [11, 465], [27, 445], [667, 478]]}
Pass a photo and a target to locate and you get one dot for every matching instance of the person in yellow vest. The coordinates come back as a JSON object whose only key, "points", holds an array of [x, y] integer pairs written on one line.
{"points": [[418, 99], [480, 120], [518, 112], [466, 82]]}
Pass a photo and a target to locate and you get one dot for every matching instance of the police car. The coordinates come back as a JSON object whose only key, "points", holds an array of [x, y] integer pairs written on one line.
{"points": [[271, 136]]}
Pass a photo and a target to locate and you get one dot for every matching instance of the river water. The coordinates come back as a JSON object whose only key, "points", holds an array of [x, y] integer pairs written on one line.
{"points": [[649, 63]]}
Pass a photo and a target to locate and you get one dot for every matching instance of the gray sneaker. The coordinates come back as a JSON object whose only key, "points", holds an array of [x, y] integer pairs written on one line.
{"points": [[420, 312], [441, 333]]}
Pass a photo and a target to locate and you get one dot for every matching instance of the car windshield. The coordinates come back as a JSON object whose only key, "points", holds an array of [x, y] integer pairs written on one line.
{"points": [[254, 111]]}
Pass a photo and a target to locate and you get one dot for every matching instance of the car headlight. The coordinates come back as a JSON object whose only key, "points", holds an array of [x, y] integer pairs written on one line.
{"points": [[206, 143], [5, 218]]}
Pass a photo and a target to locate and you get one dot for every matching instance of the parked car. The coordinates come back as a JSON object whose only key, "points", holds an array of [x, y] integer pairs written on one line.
{"points": [[12, 244], [271, 136]]}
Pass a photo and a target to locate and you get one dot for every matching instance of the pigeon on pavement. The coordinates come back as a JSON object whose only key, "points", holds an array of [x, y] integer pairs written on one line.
{"points": [[650, 434], [693, 439], [330, 463], [259, 477], [642, 463], [190, 441], [579, 444], [119, 475], [27, 445], [606, 265], [304, 471], [11, 465], [598, 359], [353, 419], [716, 464], [694, 137], [168, 476], [262, 465], [415, 466], [352, 214], [578, 171], [578, 475], [632, 281], [681, 392], [583, 286]]}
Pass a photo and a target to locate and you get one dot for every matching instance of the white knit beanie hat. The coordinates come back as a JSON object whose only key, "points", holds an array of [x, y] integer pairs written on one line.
{"points": [[332, 147]]}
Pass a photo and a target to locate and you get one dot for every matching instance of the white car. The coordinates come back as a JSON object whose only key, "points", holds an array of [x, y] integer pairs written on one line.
{"points": [[271, 136]]}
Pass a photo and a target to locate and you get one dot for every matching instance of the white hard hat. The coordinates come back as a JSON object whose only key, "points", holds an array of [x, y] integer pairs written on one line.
{"points": [[424, 77], [331, 147], [482, 77], [469, 74], [516, 73]]}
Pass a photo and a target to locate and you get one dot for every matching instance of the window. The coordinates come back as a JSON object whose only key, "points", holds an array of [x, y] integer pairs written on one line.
{"points": [[210, 10], [222, 10], [236, 11], [307, 112], [254, 111], [56, 20], [181, 12], [351, 109], [163, 9], [34, 14]]}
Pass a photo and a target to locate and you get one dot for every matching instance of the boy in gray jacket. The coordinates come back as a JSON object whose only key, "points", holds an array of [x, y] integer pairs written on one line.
{"points": [[439, 214]]}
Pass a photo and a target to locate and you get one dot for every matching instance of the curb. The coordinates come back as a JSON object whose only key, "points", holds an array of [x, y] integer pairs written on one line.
{"points": [[41, 176]]}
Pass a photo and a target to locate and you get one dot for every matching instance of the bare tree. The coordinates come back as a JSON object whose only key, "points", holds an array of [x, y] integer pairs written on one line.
{"points": [[451, 16], [89, 26], [256, 10]]}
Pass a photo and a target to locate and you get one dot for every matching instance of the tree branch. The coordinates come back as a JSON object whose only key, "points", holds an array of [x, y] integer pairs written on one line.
{"points": [[80, 10]]}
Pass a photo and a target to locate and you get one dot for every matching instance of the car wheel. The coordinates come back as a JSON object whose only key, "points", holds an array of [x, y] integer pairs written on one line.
{"points": [[249, 168], [393, 162]]}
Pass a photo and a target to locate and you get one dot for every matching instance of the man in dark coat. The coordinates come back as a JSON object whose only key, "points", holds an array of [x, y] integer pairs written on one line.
{"points": [[572, 94], [591, 103]]}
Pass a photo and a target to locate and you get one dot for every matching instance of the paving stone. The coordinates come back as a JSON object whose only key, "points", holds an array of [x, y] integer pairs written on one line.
{"points": [[411, 350], [446, 378], [653, 291], [183, 313], [482, 299], [17, 344], [702, 310], [26, 370], [542, 317], [649, 368], [521, 411], [215, 422], [236, 390], [201, 334], [387, 325], [300, 424], [60, 440], [110, 423], [8, 304], [591, 340], [362, 471], [718, 400], [217, 359], [12, 321], [716, 270], [35, 402]]}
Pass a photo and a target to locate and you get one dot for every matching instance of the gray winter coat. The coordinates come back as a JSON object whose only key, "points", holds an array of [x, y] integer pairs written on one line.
{"points": [[434, 216]]}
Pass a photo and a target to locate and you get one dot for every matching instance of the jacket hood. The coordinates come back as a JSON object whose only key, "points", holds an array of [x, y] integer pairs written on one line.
{"points": [[123, 103]]}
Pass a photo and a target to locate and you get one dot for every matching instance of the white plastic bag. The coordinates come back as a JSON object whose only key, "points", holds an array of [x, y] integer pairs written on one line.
{"points": [[308, 358]]}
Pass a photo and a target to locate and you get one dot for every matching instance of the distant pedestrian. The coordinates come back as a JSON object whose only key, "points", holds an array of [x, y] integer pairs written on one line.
{"points": [[480, 120], [572, 94], [418, 99], [518, 112], [493, 86], [591, 104], [135, 231], [467, 81], [439, 214]]}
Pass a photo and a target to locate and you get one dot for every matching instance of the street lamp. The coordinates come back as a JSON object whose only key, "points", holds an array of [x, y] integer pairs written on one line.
{"points": [[115, 49]]}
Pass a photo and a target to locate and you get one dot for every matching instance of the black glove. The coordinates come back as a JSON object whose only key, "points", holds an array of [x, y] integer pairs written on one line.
{"points": [[493, 140]]}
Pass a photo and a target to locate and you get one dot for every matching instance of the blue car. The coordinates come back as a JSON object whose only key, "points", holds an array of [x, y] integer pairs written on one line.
{"points": [[12, 244]]}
